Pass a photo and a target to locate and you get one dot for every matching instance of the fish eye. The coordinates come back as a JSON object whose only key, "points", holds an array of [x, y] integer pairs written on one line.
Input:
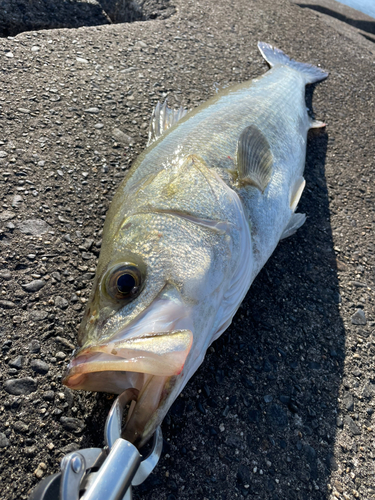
{"points": [[124, 282]]}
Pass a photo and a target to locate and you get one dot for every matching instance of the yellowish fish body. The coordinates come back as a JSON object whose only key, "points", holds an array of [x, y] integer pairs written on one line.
{"points": [[189, 228]]}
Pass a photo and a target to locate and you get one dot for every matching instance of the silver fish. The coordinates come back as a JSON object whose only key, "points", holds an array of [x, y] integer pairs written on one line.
{"points": [[189, 228]]}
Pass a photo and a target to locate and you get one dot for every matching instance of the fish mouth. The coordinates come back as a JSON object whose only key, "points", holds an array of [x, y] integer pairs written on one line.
{"points": [[150, 364]]}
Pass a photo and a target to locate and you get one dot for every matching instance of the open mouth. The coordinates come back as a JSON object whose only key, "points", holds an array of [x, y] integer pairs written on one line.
{"points": [[150, 364]]}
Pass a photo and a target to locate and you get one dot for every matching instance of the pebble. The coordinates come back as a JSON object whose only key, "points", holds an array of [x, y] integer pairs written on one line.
{"points": [[99, 125], [82, 60], [60, 302], [17, 362], [3, 154], [17, 386], [39, 472], [17, 200], [9, 55], [348, 402], [93, 111], [35, 227], [49, 396], [34, 286], [34, 346], [72, 424], [4, 441], [20, 426], [352, 426], [120, 136], [5, 275], [6, 215], [39, 366], [7, 304], [268, 398], [38, 315], [35, 48], [359, 317], [26, 111]]}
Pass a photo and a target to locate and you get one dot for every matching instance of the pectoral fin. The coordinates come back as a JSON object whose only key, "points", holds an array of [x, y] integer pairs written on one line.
{"points": [[296, 192], [254, 158]]}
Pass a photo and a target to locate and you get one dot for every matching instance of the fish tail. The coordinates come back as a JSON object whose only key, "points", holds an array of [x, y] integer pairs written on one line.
{"points": [[276, 56]]}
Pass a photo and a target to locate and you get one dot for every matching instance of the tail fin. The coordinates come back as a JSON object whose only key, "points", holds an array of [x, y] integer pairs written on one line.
{"points": [[276, 56]]}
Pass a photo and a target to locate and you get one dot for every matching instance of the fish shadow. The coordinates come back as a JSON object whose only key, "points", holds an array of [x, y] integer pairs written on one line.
{"points": [[259, 418]]}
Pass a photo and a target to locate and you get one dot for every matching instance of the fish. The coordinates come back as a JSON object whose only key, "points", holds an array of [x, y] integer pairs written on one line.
{"points": [[193, 222]]}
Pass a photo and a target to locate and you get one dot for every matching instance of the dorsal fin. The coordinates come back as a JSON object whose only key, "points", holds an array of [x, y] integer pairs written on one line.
{"points": [[162, 118], [254, 158]]}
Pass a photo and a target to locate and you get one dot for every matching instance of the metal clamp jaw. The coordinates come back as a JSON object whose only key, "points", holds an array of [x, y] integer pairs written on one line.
{"points": [[108, 473]]}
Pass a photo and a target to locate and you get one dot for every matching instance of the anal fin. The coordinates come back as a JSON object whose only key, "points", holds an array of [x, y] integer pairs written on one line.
{"points": [[295, 222], [296, 193], [254, 158]]}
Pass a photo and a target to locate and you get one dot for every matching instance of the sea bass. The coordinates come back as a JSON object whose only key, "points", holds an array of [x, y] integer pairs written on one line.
{"points": [[197, 216]]}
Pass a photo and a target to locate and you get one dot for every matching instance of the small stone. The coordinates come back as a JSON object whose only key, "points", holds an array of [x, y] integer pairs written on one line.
{"points": [[49, 396], [120, 136], [35, 227], [34, 286], [3, 154], [26, 111], [4, 441], [17, 200], [7, 304], [348, 402], [93, 111], [17, 362], [82, 60], [5, 275], [35, 48], [352, 426], [6, 215], [140, 44], [98, 125], [268, 398], [359, 317], [39, 472], [60, 355], [72, 424], [87, 244], [60, 302], [39, 366], [20, 426], [34, 346], [9, 55], [17, 386], [38, 315]]}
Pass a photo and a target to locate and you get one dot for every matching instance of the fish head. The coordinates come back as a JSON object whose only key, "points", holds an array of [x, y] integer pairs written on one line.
{"points": [[155, 305]]}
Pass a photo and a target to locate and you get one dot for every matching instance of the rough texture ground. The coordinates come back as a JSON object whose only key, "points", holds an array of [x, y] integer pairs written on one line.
{"points": [[282, 407]]}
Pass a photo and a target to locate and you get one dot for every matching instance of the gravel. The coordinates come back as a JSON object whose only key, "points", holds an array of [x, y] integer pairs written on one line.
{"points": [[293, 337]]}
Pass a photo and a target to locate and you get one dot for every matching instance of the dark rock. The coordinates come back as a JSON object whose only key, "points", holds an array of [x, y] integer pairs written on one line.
{"points": [[60, 302], [277, 416], [352, 426], [34, 346], [49, 396], [39, 366], [17, 362], [348, 401], [34, 286], [359, 317], [38, 315], [72, 424], [243, 474], [20, 426], [19, 386], [7, 304]]}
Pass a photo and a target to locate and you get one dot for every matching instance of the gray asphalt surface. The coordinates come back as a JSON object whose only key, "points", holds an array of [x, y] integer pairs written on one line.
{"points": [[282, 407]]}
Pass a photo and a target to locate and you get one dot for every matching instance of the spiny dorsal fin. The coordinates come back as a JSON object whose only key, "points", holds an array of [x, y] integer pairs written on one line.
{"points": [[254, 158], [162, 118]]}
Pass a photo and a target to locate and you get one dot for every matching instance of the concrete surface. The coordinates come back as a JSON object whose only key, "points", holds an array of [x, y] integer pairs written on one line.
{"points": [[282, 407]]}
